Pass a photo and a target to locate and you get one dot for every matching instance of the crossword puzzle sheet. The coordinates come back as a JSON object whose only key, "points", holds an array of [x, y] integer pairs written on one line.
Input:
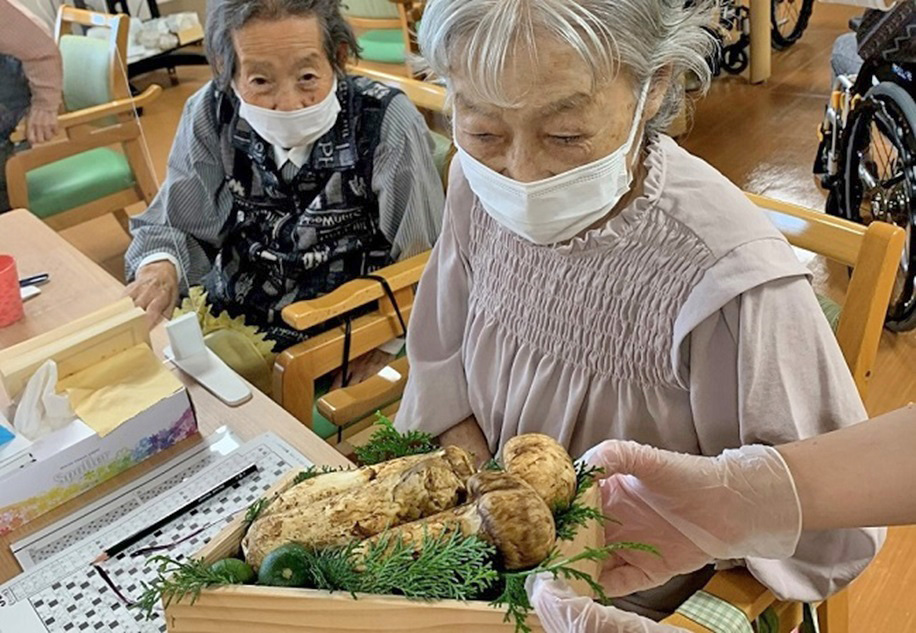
{"points": [[65, 593]]}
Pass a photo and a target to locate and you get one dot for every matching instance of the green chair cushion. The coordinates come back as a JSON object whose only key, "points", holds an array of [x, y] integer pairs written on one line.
{"points": [[77, 180], [86, 80], [385, 46]]}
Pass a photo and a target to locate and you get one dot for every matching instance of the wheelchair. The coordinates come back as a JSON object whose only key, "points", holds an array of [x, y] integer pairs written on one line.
{"points": [[866, 159], [788, 21]]}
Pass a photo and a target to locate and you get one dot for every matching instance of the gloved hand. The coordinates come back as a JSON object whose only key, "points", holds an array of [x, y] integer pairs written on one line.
{"points": [[694, 509], [562, 611]]}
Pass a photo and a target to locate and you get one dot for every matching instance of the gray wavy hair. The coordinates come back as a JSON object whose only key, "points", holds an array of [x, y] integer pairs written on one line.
{"points": [[645, 37], [225, 17]]}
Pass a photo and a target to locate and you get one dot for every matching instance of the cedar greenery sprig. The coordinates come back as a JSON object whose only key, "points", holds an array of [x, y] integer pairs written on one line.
{"points": [[514, 598], [256, 509], [388, 443], [176, 580], [313, 471], [576, 514]]}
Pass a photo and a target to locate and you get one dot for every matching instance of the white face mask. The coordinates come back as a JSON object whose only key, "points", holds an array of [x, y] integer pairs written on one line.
{"points": [[560, 207], [294, 128]]}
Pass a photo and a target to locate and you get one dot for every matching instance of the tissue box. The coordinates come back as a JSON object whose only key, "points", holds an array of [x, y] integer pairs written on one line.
{"points": [[74, 459]]}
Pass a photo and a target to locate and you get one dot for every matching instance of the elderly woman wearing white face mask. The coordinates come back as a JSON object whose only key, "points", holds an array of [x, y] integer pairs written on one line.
{"points": [[594, 281], [287, 177]]}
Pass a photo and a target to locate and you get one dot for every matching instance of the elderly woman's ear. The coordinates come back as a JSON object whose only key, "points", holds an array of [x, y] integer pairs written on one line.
{"points": [[343, 56], [661, 84]]}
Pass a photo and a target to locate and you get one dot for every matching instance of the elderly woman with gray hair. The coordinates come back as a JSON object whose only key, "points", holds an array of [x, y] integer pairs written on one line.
{"points": [[287, 177], [593, 280]]}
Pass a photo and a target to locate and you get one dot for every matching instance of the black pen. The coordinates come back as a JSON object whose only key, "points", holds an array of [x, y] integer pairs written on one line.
{"points": [[116, 549], [34, 280]]}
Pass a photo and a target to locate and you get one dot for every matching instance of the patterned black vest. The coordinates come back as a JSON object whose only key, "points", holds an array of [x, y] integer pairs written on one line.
{"points": [[296, 240]]}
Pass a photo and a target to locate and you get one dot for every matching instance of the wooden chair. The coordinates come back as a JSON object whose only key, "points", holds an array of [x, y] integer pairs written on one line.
{"points": [[386, 32], [874, 254], [80, 177], [297, 368]]}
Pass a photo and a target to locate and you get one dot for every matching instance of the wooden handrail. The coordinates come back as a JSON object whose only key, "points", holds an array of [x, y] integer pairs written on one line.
{"points": [[303, 315]]}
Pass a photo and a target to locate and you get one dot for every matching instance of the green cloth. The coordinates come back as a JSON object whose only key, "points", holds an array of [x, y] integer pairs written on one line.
{"points": [[768, 622], [831, 310], [77, 180], [384, 46], [715, 614]]}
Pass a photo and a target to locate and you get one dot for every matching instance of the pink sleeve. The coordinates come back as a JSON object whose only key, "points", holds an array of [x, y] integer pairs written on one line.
{"points": [[25, 37], [436, 396]]}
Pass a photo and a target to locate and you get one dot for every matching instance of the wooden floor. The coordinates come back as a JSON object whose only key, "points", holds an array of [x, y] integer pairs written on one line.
{"points": [[763, 139]]}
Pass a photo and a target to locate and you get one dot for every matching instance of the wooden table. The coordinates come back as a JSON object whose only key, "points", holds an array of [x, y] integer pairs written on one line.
{"points": [[77, 287]]}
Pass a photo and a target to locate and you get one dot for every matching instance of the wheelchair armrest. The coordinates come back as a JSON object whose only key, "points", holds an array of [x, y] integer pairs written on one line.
{"points": [[350, 404], [303, 315]]}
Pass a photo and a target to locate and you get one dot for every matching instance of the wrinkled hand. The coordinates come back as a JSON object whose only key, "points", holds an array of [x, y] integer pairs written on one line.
{"points": [[41, 126], [363, 367], [155, 290], [561, 610], [694, 509]]}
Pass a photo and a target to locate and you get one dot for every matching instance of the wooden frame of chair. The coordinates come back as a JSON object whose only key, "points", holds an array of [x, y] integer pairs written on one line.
{"points": [[405, 22], [84, 131], [873, 252], [297, 368]]}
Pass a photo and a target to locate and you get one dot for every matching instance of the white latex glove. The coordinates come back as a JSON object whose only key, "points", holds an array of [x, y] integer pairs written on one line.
{"points": [[694, 509], [560, 610], [41, 410]]}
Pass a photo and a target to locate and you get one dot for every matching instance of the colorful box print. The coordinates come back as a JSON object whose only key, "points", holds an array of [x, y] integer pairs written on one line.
{"points": [[91, 473]]}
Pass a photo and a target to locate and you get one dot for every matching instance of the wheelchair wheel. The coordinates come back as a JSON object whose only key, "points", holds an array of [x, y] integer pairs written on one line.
{"points": [[879, 182], [735, 59], [789, 19]]}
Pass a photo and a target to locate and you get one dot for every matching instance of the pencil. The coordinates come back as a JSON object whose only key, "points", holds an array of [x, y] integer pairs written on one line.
{"points": [[122, 545]]}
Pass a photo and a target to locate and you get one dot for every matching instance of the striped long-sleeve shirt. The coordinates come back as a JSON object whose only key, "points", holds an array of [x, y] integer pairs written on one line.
{"points": [[185, 221]]}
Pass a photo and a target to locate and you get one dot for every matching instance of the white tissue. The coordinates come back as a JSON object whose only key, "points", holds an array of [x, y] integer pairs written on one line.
{"points": [[881, 5], [41, 410]]}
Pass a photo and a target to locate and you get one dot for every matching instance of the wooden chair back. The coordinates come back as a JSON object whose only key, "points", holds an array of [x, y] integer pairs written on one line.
{"points": [[96, 122], [85, 71]]}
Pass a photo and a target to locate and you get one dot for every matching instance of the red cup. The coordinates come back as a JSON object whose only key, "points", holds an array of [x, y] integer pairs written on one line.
{"points": [[10, 299]]}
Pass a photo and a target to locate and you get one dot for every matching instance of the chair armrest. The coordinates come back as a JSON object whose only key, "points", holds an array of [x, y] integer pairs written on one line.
{"points": [[423, 94], [22, 162], [303, 315], [118, 106], [350, 404]]}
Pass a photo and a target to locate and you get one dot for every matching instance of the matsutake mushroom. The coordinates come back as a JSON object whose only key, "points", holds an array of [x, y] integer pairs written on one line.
{"points": [[504, 510], [384, 496], [544, 464]]}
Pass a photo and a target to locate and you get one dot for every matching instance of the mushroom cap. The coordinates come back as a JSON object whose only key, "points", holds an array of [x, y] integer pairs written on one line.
{"points": [[544, 464], [514, 518]]}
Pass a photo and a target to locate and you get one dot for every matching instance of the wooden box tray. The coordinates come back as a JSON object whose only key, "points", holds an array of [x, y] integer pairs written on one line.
{"points": [[254, 609]]}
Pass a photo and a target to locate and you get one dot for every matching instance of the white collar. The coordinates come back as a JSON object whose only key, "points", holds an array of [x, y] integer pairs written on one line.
{"points": [[298, 156]]}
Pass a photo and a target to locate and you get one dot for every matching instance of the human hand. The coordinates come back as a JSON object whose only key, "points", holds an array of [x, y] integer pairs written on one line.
{"points": [[363, 367], [561, 610], [155, 290], [693, 509], [41, 126]]}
